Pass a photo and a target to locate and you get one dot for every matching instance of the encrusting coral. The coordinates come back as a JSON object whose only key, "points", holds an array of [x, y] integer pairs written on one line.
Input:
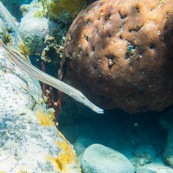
{"points": [[119, 53]]}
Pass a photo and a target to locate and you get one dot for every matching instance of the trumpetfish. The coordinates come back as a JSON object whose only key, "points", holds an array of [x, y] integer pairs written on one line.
{"points": [[18, 59]]}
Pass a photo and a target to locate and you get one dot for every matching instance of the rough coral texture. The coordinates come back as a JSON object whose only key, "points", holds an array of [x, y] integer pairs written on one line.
{"points": [[35, 31], [119, 53], [30, 141]]}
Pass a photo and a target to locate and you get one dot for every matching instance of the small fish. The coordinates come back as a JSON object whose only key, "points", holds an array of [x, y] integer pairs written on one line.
{"points": [[144, 170]]}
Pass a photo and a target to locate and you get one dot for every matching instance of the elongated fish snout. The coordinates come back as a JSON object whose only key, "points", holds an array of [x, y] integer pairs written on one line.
{"points": [[144, 170]]}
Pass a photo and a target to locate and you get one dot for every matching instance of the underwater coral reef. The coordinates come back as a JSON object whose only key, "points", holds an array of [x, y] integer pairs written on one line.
{"points": [[119, 54], [123, 50]]}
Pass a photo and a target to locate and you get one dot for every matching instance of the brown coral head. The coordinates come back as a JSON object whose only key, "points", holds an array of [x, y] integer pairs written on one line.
{"points": [[119, 53]]}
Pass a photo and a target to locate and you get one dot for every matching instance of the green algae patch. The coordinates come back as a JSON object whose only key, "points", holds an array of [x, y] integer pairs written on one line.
{"points": [[65, 9], [39, 14]]}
